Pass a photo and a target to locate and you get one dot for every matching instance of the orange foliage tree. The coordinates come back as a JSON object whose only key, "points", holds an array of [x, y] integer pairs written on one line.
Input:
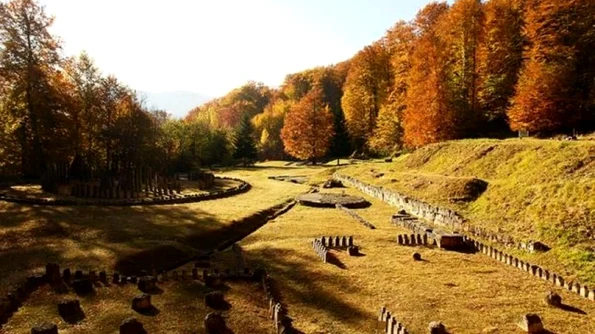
{"points": [[552, 91], [428, 118], [308, 127]]}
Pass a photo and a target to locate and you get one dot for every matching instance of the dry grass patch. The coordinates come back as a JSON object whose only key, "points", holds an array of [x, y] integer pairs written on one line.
{"points": [[467, 292]]}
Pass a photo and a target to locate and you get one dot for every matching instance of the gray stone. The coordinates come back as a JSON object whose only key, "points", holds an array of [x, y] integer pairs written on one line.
{"points": [[353, 251], [52, 273], [132, 326], [215, 300], [142, 303], [82, 286], [553, 299], [436, 327], [147, 284], [70, 310], [45, 328], [531, 323], [215, 324]]}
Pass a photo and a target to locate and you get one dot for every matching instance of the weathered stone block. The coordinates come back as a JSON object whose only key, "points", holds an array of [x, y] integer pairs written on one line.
{"points": [[436, 327], [553, 299], [215, 324], [142, 303], [132, 326], [71, 311], [531, 324]]}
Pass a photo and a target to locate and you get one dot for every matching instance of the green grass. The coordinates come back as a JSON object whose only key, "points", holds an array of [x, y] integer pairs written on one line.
{"points": [[537, 189]]}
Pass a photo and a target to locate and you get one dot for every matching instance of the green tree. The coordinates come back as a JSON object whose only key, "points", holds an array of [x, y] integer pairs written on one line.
{"points": [[245, 147]]}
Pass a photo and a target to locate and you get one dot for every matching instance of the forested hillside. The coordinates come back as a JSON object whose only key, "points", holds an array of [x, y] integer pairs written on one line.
{"points": [[466, 70]]}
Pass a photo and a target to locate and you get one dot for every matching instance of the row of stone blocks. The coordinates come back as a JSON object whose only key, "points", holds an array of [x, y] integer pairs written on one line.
{"points": [[413, 239], [116, 192], [277, 312], [337, 241], [173, 199], [321, 250], [411, 223], [437, 215], [582, 290], [355, 216], [391, 324]]}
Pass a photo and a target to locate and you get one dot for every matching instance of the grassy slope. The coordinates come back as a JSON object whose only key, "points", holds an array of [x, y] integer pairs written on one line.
{"points": [[538, 189]]}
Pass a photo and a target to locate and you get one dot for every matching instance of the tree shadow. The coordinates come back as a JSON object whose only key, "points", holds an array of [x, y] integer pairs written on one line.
{"points": [[305, 285]]}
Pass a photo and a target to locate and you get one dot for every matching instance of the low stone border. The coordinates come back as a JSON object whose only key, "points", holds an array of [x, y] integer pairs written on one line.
{"points": [[437, 215], [321, 250], [434, 214], [336, 242], [413, 240], [391, 324], [166, 199], [356, 216], [534, 270], [278, 313]]}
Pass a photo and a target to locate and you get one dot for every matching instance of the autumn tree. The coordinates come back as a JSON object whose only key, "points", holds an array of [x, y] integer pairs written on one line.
{"points": [[388, 133], [308, 127], [29, 57], [461, 31], [428, 117], [267, 127], [557, 74], [500, 58], [366, 89]]}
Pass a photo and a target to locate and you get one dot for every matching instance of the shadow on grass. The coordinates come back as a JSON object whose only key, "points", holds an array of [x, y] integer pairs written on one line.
{"points": [[307, 286], [127, 239], [570, 308]]}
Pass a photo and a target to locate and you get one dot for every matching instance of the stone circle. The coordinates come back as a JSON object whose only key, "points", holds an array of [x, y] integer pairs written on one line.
{"points": [[330, 200]]}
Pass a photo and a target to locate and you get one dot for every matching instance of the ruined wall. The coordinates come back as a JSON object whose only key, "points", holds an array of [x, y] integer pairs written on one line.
{"points": [[429, 212]]}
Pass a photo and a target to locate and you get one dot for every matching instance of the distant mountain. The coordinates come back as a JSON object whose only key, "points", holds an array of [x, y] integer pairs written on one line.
{"points": [[177, 103]]}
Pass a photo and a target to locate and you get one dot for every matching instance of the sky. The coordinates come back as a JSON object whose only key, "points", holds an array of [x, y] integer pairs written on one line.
{"points": [[211, 47]]}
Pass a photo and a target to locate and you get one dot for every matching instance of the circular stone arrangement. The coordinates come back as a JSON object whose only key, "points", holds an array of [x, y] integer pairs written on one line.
{"points": [[163, 199], [330, 200]]}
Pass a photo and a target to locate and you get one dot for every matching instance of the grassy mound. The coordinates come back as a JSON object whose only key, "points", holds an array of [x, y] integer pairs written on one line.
{"points": [[537, 189]]}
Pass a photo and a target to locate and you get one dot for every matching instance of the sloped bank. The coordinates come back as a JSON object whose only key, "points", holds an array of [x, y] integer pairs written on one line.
{"points": [[437, 215], [161, 200]]}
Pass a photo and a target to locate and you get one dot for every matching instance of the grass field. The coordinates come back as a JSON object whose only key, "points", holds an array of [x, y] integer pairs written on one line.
{"points": [[470, 293], [536, 190]]}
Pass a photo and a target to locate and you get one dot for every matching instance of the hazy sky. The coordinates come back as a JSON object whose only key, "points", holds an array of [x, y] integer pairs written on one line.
{"points": [[211, 47]]}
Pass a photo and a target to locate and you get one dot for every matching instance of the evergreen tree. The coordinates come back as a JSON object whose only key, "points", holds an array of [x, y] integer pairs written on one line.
{"points": [[244, 143]]}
